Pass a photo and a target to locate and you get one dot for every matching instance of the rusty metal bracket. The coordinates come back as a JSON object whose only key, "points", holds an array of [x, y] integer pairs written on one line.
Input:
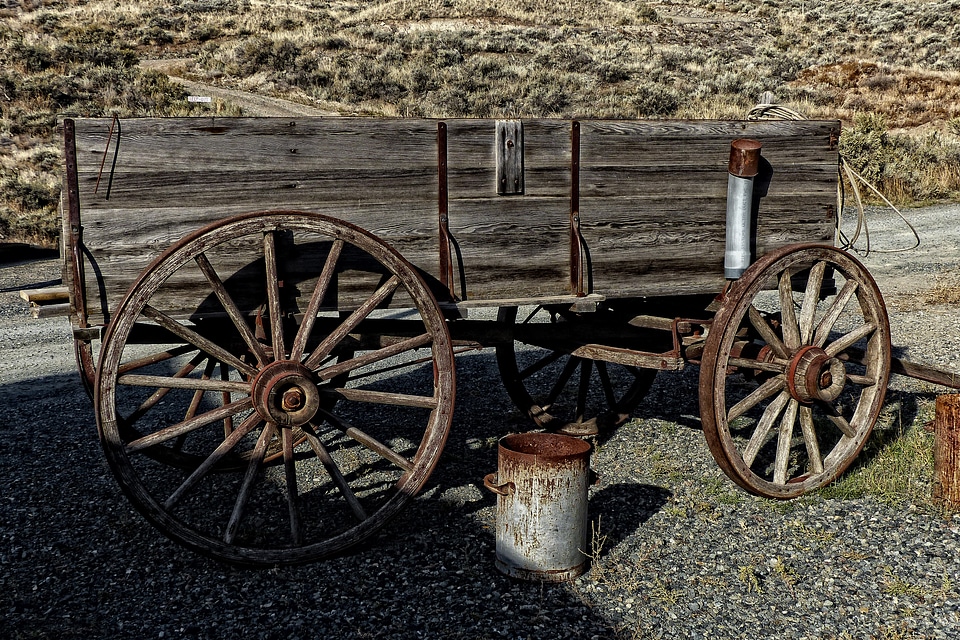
{"points": [[74, 230], [491, 483], [577, 244], [446, 261]]}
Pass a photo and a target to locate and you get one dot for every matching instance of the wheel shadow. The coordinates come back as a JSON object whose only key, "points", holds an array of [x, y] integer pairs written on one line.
{"points": [[674, 397]]}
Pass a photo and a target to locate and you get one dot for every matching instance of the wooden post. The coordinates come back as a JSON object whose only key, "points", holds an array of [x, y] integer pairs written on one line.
{"points": [[946, 451]]}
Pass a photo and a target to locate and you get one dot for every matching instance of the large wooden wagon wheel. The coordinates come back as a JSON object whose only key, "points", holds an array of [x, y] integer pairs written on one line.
{"points": [[306, 394], [794, 370], [560, 391]]}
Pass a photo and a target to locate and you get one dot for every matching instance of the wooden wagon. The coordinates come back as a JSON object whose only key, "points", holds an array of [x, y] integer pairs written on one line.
{"points": [[266, 311]]}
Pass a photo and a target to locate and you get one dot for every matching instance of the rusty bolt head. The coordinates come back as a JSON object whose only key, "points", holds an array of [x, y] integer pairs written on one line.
{"points": [[826, 379], [292, 399]]}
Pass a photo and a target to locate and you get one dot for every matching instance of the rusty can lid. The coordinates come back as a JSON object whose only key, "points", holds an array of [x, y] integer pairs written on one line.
{"points": [[744, 158], [545, 446]]}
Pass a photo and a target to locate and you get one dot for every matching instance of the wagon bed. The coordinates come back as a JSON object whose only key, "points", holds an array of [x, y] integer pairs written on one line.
{"points": [[647, 199], [242, 288]]}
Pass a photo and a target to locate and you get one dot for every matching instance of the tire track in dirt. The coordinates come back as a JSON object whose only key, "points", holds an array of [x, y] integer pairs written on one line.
{"points": [[252, 104]]}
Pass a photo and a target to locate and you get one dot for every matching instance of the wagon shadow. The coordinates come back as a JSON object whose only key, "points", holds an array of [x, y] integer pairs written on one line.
{"points": [[71, 540], [65, 488]]}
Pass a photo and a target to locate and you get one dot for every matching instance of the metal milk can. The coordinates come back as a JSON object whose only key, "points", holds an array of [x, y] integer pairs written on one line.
{"points": [[541, 485]]}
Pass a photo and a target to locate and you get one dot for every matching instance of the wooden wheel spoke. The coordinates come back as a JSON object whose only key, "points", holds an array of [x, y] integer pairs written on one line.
{"points": [[293, 494], [381, 397], [246, 487], [810, 440], [607, 385], [316, 299], [847, 340], [186, 426], [822, 333], [542, 363], [586, 370], [782, 463], [759, 437], [351, 322], [749, 364], [168, 382], [233, 311], [568, 370], [158, 395], [788, 314], [225, 397], [835, 416], [755, 397], [198, 394], [863, 381], [223, 449], [532, 314], [335, 474], [374, 356], [368, 441], [194, 338], [157, 358], [273, 294], [766, 332], [811, 297]]}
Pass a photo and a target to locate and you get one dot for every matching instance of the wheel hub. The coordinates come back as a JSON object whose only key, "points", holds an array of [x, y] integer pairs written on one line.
{"points": [[814, 375], [284, 393]]}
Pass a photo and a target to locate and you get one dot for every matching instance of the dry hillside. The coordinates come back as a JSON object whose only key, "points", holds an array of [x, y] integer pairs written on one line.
{"points": [[890, 70]]}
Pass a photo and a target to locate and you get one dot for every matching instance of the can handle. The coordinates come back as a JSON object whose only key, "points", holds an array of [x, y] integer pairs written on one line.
{"points": [[505, 489]]}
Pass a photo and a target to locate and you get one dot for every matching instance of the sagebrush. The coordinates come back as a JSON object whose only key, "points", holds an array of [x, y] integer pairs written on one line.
{"points": [[889, 70]]}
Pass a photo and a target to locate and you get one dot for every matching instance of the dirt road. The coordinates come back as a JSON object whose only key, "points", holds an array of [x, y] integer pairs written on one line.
{"points": [[252, 104]]}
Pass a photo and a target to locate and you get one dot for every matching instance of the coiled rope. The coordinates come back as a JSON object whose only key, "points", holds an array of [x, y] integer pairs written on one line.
{"points": [[767, 110]]}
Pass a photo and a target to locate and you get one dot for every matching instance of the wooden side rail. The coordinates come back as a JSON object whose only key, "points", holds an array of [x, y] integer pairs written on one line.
{"points": [[601, 208]]}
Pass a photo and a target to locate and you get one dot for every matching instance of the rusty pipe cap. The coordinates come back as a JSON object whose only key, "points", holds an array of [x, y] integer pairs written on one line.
{"points": [[744, 158]]}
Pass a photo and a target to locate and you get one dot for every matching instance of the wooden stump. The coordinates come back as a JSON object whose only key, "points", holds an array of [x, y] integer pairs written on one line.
{"points": [[946, 452]]}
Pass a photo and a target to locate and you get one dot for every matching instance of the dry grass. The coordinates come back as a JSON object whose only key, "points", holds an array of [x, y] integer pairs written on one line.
{"points": [[895, 62], [896, 466], [945, 291]]}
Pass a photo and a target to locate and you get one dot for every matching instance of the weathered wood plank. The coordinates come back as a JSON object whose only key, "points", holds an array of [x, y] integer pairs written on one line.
{"points": [[110, 230], [49, 310], [509, 155], [623, 139], [254, 144], [267, 189], [47, 295], [173, 176], [653, 198], [511, 246], [682, 181]]}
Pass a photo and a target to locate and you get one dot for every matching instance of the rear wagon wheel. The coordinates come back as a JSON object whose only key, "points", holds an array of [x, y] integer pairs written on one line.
{"points": [[562, 392]]}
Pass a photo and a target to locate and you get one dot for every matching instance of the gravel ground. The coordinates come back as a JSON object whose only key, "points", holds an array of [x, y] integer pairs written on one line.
{"points": [[684, 553]]}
